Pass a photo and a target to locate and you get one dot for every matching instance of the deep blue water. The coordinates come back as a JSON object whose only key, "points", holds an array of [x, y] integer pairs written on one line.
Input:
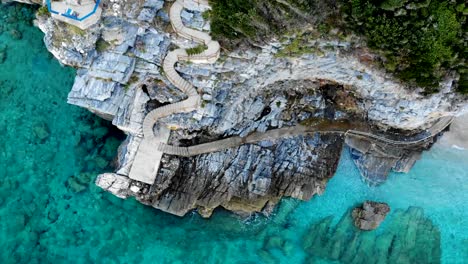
{"points": [[51, 212]]}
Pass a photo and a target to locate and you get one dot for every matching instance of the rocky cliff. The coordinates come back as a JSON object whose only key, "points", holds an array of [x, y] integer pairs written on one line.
{"points": [[249, 89]]}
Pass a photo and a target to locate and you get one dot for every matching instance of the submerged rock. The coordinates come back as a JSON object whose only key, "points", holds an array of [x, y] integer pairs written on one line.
{"points": [[80, 182], [75, 185], [41, 131], [3, 53], [409, 237], [370, 215], [16, 34]]}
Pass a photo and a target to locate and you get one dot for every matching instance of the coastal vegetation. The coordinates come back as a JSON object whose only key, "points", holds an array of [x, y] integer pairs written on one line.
{"points": [[43, 11], [258, 20], [102, 45], [75, 30], [133, 79], [418, 41], [196, 50]]}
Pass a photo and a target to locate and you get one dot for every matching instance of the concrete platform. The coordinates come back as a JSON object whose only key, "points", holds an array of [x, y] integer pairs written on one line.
{"points": [[148, 158], [88, 12]]}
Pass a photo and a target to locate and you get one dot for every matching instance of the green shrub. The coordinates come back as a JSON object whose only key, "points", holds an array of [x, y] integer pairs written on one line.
{"points": [[102, 45], [298, 46], [133, 79], [43, 11], [393, 4], [463, 82], [206, 15], [75, 30], [196, 50], [231, 18]]}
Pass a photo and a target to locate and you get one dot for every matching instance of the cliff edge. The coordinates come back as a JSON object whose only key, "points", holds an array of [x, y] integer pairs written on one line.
{"points": [[252, 89]]}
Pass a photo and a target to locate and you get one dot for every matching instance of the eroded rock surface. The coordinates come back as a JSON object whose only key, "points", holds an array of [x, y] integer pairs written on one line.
{"points": [[370, 215], [244, 179], [249, 89]]}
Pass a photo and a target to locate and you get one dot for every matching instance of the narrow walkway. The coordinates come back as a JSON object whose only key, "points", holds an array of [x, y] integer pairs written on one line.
{"points": [[148, 157], [153, 146], [438, 127], [273, 134]]}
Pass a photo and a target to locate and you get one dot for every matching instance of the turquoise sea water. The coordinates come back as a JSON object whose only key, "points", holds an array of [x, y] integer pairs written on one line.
{"points": [[51, 212]]}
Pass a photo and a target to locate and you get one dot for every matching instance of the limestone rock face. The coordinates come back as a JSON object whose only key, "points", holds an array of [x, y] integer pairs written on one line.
{"points": [[375, 161], [97, 95], [114, 184], [370, 215], [249, 89], [112, 66], [246, 178]]}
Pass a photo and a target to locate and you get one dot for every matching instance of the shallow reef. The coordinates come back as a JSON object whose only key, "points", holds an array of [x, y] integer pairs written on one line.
{"points": [[410, 237]]}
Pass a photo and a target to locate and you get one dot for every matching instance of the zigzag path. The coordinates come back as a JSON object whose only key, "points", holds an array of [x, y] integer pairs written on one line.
{"points": [[148, 157], [153, 146]]}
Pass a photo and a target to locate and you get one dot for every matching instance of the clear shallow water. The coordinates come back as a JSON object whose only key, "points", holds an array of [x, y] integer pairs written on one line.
{"points": [[50, 211]]}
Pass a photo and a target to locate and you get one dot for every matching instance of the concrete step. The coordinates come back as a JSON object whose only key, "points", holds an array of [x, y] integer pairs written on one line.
{"points": [[149, 154]]}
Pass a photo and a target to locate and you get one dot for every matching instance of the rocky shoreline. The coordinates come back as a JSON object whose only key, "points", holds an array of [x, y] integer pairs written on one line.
{"points": [[249, 89]]}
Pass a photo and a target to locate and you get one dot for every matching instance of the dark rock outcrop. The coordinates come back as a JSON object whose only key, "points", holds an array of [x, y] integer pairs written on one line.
{"points": [[247, 178], [397, 151], [251, 177], [375, 161], [370, 215], [3, 53]]}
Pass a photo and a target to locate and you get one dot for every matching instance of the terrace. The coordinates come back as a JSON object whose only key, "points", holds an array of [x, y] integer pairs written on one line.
{"points": [[80, 13]]}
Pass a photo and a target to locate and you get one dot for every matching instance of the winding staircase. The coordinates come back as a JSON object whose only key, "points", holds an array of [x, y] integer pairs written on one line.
{"points": [[148, 157], [149, 154]]}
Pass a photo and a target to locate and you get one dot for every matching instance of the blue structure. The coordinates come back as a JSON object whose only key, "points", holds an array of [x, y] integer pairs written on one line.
{"points": [[69, 13]]}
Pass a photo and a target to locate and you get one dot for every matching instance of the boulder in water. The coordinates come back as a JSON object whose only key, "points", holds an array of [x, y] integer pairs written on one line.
{"points": [[16, 34], [3, 54], [370, 215], [41, 131]]}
